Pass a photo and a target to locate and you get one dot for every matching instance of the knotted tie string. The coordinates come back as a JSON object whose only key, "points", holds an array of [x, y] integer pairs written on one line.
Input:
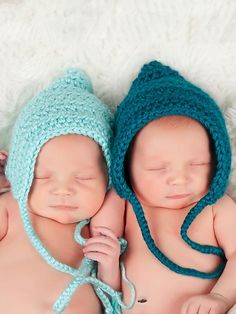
{"points": [[110, 298]]}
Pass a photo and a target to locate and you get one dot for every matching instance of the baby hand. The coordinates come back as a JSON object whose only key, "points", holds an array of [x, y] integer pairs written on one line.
{"points": [[104, 248], [212, 303], [4, 184]]}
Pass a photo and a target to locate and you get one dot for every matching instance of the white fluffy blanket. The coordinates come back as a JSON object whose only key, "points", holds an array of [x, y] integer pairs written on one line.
{"points": [[110, 40]]}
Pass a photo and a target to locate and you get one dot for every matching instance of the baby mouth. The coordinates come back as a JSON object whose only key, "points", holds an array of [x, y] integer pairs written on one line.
{"points": [[178, 196], [64, 207]]}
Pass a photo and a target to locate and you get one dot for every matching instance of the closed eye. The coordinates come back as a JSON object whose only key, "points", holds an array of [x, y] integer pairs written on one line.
{"points": [[41, 177], [200, 164], [156, 169], [84, 178]]}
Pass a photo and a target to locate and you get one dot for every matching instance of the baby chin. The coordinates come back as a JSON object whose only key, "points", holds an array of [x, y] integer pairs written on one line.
{"points": [[65, 214], [180, 201]]}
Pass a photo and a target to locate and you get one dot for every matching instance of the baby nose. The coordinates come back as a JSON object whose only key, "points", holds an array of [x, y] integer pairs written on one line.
{"points": [[62, 188], [178, 177]]}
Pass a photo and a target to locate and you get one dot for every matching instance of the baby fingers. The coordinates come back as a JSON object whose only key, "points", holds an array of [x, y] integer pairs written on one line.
{"points": [[98, 247], [205, 304], [102, 253], [104, 231]]}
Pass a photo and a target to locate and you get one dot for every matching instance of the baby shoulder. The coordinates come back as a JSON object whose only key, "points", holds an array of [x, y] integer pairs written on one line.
{"points": [[224, 224], [224, 205], [7, 200]]}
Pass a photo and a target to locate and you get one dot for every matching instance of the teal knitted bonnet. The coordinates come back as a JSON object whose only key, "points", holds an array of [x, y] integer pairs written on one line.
{"points": [[161, 91], [67, 106]]}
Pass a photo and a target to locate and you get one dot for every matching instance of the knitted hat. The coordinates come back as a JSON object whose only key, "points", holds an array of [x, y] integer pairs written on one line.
{"points": [[66, 107], [160, 91]]}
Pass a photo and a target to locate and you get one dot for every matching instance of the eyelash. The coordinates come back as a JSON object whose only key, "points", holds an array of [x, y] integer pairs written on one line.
{"points": [[84, 179], [192, 164], [200, 164], [157, 169]]}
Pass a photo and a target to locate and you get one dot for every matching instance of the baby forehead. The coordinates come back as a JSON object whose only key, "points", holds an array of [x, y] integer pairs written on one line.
{"points": [[167, 132], [174, 121], [70, 147], [171, 124], [77, 142]]}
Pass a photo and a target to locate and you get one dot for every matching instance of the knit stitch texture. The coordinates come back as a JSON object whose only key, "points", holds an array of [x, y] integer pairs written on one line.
{"points": [[66, 107], [161, 91]]}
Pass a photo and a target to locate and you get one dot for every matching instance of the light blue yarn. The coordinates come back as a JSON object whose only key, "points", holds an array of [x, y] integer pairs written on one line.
{"points": [[65, 107], [111, 299]]}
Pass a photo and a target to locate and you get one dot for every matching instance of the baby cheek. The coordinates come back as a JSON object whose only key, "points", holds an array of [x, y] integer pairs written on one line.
{"points": [[91, 194], [38, 191], [140, 181], [153, 184], [201, 182], [39, 187]]}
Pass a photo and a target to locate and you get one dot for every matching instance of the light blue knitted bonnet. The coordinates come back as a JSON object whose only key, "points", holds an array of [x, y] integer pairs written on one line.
{"points": [[67, 106]]}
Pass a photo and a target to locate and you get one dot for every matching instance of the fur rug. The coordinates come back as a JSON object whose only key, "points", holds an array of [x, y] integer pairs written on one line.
{"points": [[110, 40]]}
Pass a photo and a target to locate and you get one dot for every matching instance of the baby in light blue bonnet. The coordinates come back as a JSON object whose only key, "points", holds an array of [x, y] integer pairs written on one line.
{"points": [[58, 169]]}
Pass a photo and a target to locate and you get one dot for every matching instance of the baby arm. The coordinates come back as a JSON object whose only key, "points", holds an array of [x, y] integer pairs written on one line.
{"points": [[104, 248], [106, 227], [111, 214], [223, 295]]}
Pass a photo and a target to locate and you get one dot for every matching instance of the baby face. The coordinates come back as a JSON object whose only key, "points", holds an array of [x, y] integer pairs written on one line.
{"points": [[70, 179], [170, 163]]}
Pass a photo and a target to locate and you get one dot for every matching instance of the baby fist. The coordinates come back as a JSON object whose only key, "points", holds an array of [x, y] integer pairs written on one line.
{"points": [[203, 304]]}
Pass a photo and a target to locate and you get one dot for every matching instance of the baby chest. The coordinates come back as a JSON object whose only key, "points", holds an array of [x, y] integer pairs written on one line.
{"points": [[158, 289], [34, 286], [165, 229]]}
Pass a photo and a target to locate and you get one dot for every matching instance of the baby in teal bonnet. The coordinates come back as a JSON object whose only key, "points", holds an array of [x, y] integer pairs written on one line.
{"points": [[171, 161]]}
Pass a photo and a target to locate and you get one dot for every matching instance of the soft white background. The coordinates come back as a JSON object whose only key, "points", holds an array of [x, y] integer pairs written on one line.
{"points": [[110, 40]]}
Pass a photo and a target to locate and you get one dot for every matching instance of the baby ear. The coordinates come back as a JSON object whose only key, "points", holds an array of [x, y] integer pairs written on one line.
{"points": [[3, 159], [3, 154], [4, 184]]}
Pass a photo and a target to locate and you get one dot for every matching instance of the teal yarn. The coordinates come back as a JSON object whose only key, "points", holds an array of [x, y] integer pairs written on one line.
{"points": [[160, 91], [67, 106]]}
